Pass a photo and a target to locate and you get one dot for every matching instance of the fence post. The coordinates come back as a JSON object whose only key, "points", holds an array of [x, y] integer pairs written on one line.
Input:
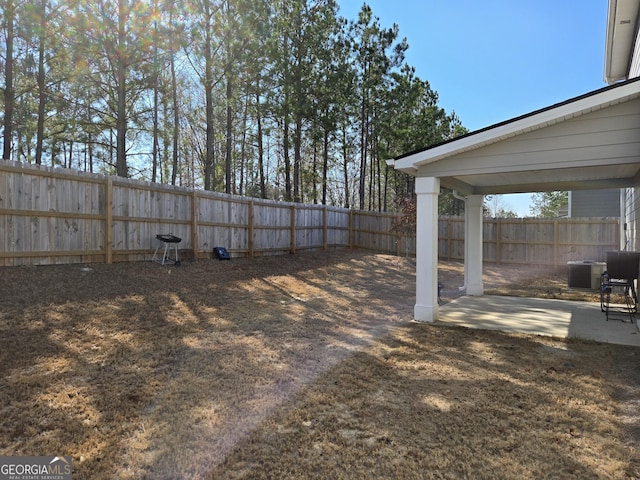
{"points": [[109, 221], [325, 238], [292, 230], [498, 235], [555, 244], [350, 228], [194, 223], [250, 232], [449, 239]]}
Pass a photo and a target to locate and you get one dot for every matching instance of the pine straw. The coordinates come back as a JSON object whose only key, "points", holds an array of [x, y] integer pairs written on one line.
{"points": [[296, 367]]}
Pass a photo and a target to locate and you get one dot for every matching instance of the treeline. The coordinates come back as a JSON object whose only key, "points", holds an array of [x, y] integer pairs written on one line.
{"points": [[277, 99]]}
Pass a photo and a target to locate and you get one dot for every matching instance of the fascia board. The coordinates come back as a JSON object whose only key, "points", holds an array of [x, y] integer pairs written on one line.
{"points": [[608, 50], [622, 30]]}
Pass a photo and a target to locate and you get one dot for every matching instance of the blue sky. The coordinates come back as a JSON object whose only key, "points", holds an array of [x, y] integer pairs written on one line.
{"points": [[492, 60]]}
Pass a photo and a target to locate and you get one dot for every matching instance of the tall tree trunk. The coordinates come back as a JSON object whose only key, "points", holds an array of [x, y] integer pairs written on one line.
{"points": [[156, 100], [41, 82], [345, 168], [9, 93], [379, 177], [243, 147], [70, 163], [372, 165], [285, 127], [287, 160], [377, 174], [111, 147], [209, 175], [297, 158], [378, 170], [385, 208], [176, 112], [263, 186], [90, 148], [121, 87], [314, 175], [371, 178], [229, 145], [364, 142], [325, 164], [164, 164], [228, 72]]}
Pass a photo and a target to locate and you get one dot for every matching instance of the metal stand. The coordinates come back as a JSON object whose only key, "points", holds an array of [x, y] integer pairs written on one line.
{"points": [[621, 287], [167, 241]]}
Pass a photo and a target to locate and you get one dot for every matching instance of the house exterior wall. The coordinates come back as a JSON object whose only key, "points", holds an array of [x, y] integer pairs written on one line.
{"points": [[630, 239], [594, 203], [631, 196]]}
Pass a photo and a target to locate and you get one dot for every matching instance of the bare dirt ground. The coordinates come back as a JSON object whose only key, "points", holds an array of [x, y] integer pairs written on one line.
{"points": [[304, 366]]}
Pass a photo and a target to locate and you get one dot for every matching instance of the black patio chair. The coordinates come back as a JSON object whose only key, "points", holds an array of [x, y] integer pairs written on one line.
{"points": [[620, 277]]}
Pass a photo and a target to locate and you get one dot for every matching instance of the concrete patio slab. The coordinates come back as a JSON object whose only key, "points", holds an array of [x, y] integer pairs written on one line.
{"points": [[556, 318]]}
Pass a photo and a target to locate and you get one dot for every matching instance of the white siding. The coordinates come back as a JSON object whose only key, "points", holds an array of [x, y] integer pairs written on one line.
{"points": [[631, 238], [595, 203], [631, 202]]}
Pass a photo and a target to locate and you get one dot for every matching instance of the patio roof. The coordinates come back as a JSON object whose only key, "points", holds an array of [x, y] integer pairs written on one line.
{"points": [[591, 141]]}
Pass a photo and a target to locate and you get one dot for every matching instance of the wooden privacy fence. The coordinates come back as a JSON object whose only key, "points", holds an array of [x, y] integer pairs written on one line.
{"points": [[534, 241], [62, 216], [530, 241], [52, 216]]}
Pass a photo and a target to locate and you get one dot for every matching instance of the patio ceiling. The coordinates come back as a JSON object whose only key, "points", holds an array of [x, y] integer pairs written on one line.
{"points": [[588, 142]]}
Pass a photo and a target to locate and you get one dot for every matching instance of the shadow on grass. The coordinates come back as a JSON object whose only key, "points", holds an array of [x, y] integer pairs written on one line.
{"points": [[437, 402], [140, 371]]}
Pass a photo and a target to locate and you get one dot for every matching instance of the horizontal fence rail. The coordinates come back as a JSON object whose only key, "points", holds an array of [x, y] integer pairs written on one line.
{"points": [[50, 216]]}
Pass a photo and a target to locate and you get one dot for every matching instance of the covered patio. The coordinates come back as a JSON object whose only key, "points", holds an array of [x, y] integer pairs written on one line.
{"points": [[588, 142], [540, 316]]}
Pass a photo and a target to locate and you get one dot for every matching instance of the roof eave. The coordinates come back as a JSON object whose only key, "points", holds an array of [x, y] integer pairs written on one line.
{"points": [[622, 28], [526, 123]]}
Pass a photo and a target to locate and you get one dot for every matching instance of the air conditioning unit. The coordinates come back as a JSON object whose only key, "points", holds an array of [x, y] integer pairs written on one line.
{"points": [[586, 274]]}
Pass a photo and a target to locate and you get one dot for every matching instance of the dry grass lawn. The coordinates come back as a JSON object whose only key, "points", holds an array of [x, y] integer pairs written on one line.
{"points": [[303, 366]]}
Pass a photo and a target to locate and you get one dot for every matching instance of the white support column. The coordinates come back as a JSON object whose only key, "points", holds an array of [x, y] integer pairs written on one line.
{"points": [[426, 308], [473, 245]]}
